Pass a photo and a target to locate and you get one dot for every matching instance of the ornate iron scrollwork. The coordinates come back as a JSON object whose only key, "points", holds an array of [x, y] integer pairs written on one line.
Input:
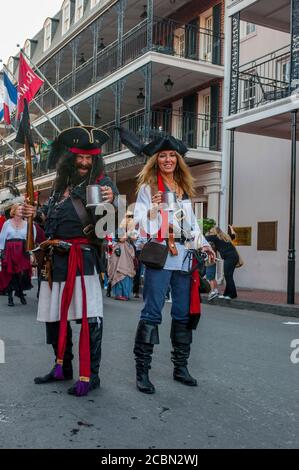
{"points": [[235, 54]]}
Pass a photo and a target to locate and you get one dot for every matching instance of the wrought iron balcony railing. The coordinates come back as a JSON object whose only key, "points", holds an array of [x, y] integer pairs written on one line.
{"points": [[167, 37], [263, 80], [198, 131]]}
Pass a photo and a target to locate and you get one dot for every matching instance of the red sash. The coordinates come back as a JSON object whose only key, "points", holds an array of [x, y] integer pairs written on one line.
{"points": [[75, 262]]}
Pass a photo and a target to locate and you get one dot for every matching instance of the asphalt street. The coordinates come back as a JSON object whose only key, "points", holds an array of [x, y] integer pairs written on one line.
{"points": [[247, 397]]}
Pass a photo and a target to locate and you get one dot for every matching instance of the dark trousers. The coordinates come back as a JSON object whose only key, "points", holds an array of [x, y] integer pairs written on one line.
{"points": [[229, 268]]}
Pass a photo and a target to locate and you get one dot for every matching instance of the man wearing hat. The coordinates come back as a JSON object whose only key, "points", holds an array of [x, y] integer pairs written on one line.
{"points": [[71, 289]]}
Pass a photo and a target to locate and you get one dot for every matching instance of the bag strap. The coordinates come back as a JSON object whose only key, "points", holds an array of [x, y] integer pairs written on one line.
{"points": [[88, 228]]}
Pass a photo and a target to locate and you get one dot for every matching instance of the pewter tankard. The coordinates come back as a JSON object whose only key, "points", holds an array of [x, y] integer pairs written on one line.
{"points": [[169, 199], [93, 195]]}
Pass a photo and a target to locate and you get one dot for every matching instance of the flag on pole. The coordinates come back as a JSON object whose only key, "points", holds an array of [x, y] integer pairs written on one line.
{"points": [[24, 132], [10, 98], [28, 86], [1, 99]]}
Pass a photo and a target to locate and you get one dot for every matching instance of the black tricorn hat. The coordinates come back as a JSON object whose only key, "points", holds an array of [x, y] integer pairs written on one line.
{"points": [[167, 142], [76, 140]]}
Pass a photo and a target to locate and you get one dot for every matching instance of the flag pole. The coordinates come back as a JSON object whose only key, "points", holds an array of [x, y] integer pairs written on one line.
{"points": [[30, 196], [37, 105], [51, 86]]}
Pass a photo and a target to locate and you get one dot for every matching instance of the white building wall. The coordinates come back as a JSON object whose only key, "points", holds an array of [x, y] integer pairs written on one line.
{"points": [[262, 194]]}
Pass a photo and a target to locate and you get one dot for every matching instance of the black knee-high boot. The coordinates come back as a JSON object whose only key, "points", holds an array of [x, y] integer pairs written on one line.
{"points": [[95, 344], [181, 338], [52, 338], [147, 335]]}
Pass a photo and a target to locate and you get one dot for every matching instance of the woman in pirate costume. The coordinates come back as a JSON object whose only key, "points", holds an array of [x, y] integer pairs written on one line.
{"points": [[72, 290], [177, 230]]}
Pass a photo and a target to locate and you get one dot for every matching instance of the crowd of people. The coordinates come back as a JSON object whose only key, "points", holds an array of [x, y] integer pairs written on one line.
{"points": [[153, 250]]}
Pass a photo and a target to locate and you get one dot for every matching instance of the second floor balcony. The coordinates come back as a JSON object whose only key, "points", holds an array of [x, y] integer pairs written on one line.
{"points": [[166, 36], [263, 80], [200, 132]]}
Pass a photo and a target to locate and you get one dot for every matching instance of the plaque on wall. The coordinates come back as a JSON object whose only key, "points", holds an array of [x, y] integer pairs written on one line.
{"points": [[267, 236], [243, 236]]}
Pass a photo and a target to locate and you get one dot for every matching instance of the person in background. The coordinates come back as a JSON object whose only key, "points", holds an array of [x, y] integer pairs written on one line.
{"points": [[16, 265], [139, 244], [211, 275], [121, 269], [223, 243]]}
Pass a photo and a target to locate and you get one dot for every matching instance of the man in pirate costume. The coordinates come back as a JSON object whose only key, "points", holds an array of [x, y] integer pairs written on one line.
{"points": [[72, 290], [178, 231]]}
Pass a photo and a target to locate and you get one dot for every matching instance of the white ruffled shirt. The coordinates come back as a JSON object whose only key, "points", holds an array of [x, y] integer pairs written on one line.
{"points": [[190, 227]]}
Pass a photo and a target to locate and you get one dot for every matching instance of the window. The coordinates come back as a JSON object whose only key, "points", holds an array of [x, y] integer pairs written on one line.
{"points": [[246, 29], [79, 10], [93, 3], [66, 16], [27, 48], [283, 68], [208, 38], [249, 92], [47, 34]]}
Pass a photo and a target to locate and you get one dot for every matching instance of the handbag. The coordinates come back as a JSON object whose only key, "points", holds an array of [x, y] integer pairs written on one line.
{"points": [[153, 255], [240, 262]]}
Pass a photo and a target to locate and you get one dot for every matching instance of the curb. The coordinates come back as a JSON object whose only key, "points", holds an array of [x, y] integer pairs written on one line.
{"points": [[275, 309]]}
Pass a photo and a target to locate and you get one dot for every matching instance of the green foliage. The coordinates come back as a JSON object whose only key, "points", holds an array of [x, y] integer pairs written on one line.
{"points": [[206, 225]]}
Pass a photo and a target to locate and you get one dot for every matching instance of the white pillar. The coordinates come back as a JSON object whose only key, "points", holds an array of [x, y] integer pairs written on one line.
{"points": [[213, 193]]}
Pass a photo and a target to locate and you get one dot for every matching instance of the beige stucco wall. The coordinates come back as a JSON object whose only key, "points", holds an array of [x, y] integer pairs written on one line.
{"points": [[263, 41], [262, 194]]}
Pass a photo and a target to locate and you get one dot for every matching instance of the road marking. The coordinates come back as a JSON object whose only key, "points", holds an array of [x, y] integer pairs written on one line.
{"points": [[291, 323]]}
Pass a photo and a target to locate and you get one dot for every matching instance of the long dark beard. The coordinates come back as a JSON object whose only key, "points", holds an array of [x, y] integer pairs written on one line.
{"points": [[68, 175]]}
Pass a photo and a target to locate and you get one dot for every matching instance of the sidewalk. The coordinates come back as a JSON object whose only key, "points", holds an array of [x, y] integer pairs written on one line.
{"points": [[259, 300]]}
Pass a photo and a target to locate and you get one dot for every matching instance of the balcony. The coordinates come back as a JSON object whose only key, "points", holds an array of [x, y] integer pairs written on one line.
{"points": [[264, 80], [197, 131], [273, 14], [168, 37]]}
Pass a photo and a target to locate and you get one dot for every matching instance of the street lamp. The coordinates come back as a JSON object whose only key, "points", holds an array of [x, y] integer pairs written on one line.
{"points": [[168, 84], [82, 59], [140, 97], [101, 45], [143, 15]]}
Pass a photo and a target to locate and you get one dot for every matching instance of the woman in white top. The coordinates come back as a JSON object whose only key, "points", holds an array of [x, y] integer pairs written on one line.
{"points": [[166, 171], [16, 266]]}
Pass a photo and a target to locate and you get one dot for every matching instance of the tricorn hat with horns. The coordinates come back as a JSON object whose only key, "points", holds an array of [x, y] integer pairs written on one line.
{"points": [[167, 142], [78, 139]]}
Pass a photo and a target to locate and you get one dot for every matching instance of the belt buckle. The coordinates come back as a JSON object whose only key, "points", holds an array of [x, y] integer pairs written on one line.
{"points": [[88, 230]]}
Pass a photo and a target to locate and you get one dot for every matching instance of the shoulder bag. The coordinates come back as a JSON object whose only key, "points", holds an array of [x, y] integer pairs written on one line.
{"points": [[153, 255]]}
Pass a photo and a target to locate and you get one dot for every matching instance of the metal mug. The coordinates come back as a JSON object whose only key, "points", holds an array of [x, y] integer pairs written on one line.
{"points": [[93, 195], [169, 199]]}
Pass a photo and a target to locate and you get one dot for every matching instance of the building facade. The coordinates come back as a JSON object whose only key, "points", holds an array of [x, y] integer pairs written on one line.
{"points": [[153, 67], [259, 159], [220, 75]]}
